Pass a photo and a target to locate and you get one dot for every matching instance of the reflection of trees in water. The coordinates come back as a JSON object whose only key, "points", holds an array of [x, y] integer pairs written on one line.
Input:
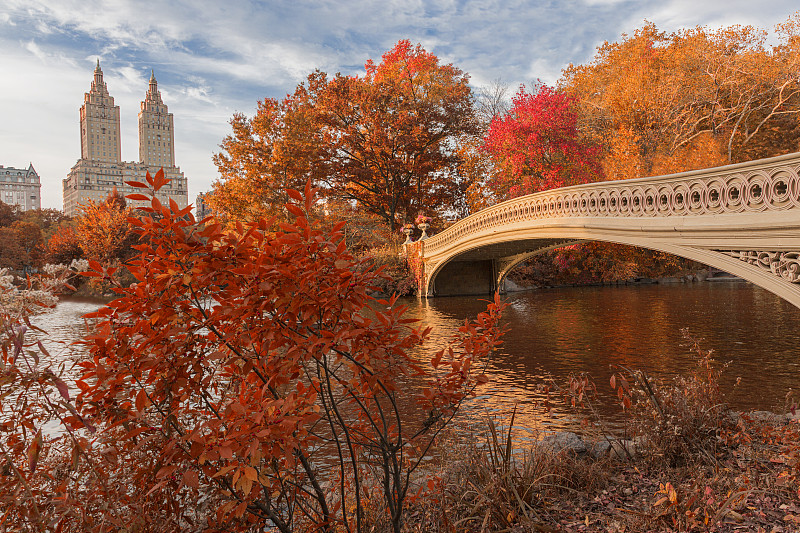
{"points": [[560, 331]]}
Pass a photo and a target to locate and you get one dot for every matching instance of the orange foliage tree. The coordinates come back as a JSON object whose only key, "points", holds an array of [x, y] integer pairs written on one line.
{"points": [[276, 150], [104, 230], [390, 136], [24, 235], [64, 245], [20, 246], [667, 102], [387, 140], [11, 252], [246, 381]]}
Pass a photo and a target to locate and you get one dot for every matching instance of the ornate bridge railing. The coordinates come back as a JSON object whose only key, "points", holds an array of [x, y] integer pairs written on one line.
{"points": [[762, 193]]}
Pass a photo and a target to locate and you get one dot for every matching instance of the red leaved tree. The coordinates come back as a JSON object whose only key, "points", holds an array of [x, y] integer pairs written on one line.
{"points": [[64, 245], [247, 381], [538, 147]]}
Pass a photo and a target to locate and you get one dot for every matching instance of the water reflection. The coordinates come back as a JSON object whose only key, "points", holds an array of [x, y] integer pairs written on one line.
{"points": [[62, 327], [556, 332]]}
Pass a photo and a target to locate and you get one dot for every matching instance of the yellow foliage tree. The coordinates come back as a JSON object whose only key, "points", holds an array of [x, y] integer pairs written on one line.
{"points": [[668, 102]]}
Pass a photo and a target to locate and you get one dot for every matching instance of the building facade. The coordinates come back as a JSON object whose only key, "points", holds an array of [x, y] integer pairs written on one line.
{"points": [[21, 187], [201, 207], [101, 167]]}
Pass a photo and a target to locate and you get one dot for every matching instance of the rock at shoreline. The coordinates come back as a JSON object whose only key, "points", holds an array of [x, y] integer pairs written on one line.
{"points": [[564, 440], [767, 417], [620, 449]]}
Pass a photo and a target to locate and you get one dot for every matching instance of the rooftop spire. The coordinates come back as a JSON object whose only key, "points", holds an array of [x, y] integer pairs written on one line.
{"points": [[98, 84]]}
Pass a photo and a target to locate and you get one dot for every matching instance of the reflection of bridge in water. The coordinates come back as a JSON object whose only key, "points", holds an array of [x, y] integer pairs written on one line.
{"points": [[743, 219]]}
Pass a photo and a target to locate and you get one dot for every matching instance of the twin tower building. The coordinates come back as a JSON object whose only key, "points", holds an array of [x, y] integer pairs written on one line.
{"points": [[100, 168]]}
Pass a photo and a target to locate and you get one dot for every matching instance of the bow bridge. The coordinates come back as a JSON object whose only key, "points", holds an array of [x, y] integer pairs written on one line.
{"points": [[742, 218]]}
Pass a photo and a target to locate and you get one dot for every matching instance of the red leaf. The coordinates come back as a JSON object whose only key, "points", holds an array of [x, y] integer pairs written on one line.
{"points": [[295, 195], [137, 196], [141, 400], [62, 388], [191, 479]]}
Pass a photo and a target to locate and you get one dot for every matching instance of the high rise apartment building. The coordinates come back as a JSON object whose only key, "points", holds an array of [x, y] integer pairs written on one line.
{"points": [[101, 168], [21, 187], [201, 207]]}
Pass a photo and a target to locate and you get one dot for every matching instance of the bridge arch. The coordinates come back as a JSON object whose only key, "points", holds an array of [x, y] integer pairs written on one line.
{"points": [[743, 218]]}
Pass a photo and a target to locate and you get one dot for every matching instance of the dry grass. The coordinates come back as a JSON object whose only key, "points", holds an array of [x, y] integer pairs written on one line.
{"points": [[496, 486], [678, 423], [697, 468]]}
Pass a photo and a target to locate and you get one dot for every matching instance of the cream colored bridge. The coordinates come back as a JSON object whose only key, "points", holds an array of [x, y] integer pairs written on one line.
{"points": [[743, 219]]}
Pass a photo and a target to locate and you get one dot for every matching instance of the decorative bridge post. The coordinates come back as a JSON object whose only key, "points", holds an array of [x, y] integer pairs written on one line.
{"points": [[742, 218]]}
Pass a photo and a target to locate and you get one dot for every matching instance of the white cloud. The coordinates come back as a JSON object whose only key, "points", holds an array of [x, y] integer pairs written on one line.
{"points": [[213, 58], [33, 48]]}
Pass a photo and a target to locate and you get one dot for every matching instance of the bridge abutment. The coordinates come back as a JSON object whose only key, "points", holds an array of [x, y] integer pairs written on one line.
{"points": [[466, 278]]}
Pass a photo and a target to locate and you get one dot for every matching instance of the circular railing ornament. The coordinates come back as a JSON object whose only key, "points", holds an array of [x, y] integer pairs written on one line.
{"points": [[721, 192]]}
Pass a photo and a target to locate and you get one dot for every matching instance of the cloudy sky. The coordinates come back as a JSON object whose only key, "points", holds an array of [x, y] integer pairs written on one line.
{"points": [[214, 58]]}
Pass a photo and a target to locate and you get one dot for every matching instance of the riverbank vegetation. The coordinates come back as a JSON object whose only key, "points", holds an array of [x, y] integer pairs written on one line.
{"points": [[31, 240], [246, 382], [243, 384], [682, 462]]}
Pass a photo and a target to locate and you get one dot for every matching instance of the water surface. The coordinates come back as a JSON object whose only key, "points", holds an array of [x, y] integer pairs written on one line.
{"points": [[555, 332]]}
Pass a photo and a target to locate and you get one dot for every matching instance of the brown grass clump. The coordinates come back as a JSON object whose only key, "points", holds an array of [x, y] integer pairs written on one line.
{"points": [[494, 486], [676, 423]]}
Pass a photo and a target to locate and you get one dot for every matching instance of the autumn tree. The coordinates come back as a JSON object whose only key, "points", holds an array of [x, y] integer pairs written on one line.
{"points": [[48, 220], [20, 246], [11, 251], [666, 102], [391, 135], [64, 245], [387, 140], [9, 214], [29, 237], [276, 150], [104, 231], [537, 146]]}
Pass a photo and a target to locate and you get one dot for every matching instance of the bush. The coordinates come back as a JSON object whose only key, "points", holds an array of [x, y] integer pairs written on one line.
{"points": [[680, 421], [399, 279], [247, 381], [490, 483]]}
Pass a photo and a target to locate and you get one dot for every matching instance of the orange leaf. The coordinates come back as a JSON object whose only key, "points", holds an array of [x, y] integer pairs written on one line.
{"points": [[141, 400], [137, 196], [33, 451]]}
